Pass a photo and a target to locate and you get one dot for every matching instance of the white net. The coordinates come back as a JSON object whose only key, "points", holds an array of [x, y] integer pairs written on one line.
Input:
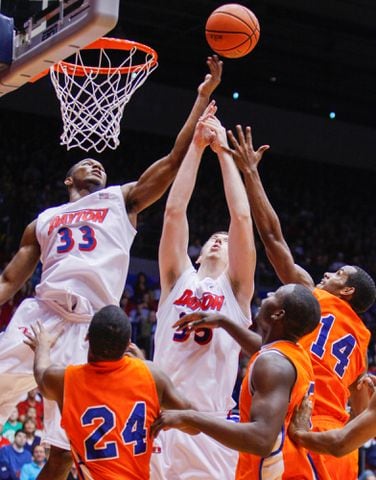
{"points": [[92, 99]]}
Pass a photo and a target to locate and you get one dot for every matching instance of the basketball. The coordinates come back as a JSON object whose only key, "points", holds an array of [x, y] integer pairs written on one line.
{"points": [[232, 30]]}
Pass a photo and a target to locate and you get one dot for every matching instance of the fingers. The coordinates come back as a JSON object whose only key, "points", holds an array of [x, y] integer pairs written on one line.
{"points": [[187, 319]]}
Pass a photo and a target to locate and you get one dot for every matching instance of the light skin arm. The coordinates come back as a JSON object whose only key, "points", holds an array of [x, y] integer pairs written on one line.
{"points": [[49, 377], [336, 442], [154, 182], [272, 381], [249, 341], [264, 216], [22, 265], [241, 246], [173, 257]]}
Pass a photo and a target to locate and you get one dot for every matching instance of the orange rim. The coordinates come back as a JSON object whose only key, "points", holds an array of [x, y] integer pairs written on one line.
{"points": [[109, 44]]}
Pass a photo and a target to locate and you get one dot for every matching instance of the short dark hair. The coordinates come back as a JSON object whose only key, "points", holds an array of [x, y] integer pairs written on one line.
{"points": [[20, 430], [109, 333], [302, 311], [364, 295]]}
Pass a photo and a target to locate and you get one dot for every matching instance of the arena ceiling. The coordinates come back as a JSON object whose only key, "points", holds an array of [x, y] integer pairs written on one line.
{"points": [[314, 56]]}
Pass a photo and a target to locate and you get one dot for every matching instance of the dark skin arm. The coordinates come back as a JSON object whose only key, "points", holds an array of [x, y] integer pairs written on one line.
{"points": [[49, 377], [336, 442], [22, 265], [154, 182], [249, 341], [265, 217], [272, 380]]}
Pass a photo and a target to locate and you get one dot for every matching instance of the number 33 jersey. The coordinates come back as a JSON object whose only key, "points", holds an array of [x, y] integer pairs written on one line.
{"points": [[85, 249], [202, 365], [338, 350]]}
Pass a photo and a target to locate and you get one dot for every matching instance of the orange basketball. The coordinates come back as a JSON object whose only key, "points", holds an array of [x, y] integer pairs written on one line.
{"points": [[232, 30]]}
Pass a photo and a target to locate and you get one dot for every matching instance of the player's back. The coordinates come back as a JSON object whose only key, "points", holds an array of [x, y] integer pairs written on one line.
{"points": [[108, 409], [338, 348], [286, 456]]}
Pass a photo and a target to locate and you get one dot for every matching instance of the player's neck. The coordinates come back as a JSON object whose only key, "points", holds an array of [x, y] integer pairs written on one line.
{"points": [[77, 193], [210, 269]]}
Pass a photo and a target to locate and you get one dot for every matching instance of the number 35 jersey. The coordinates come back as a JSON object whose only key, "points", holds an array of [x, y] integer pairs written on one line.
{"points": [[202, 365], [338, 349], [85, 249]]}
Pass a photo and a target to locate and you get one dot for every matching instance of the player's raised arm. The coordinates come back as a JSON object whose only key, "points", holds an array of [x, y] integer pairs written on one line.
{"points": [[49, 377], [266, 219], [22, 265], [158, 177], [173, 246], [241, 245]]}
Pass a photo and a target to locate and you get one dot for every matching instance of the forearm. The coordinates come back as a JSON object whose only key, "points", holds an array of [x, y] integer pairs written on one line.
{"points": [[41, 363], [186, 133], [266, 219], [236, 196], [182, 188], [249, 341], [243, 437], [331, 442]]}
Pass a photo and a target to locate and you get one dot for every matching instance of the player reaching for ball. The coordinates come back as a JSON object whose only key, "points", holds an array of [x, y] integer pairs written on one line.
{"points": [[338, 346], [203, 365], [84, 247]]}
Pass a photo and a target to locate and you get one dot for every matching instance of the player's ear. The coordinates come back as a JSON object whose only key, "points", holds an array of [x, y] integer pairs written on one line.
{"points": [[278, 315], [347, 292], [68, 182]]}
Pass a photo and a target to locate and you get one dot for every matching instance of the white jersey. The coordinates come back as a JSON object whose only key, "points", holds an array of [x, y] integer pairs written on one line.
{"points": [[85, 250], [202, 365]]}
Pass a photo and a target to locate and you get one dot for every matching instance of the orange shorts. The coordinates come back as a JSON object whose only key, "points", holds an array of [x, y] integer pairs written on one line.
{"points": [[337, 468]]}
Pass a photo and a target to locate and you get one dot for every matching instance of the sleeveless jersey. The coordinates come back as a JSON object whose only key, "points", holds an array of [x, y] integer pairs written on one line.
{"points": [[286, 456], [107, 412], [85, 250], [202, 365], [338, 348]]}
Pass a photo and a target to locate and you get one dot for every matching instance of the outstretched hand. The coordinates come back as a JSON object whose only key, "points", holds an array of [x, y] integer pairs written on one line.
{"points": [[41, 337], [212, 79], [301, 419], [172, 419], [204, 133], [244, 154], [194, 321], [134, 351]]}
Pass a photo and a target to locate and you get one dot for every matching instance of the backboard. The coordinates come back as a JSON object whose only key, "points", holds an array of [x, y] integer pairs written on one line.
{"points": [[47, 31]]}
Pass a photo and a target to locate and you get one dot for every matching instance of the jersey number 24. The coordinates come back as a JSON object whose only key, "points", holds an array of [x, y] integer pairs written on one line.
{"points": [[134, 432]]}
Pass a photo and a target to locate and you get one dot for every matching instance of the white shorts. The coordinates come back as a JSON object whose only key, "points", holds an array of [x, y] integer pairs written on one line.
{"points": [[179, 456], [16, 360]]}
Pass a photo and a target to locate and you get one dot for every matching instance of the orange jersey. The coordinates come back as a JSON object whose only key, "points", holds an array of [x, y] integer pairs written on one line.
{"points": [[107, 412], [286, 456], [338, 348]]}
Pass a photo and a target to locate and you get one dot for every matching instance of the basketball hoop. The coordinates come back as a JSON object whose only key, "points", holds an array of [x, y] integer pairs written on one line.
{"points": [[92, 98]]}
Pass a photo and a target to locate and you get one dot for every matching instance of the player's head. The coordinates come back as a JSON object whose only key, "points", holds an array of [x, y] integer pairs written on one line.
{"points": [[352, 284], [215, 249], [289, 313], [109, 334], [86, 174]]}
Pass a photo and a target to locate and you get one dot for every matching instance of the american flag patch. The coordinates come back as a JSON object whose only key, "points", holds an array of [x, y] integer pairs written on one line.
{"points": [[104, 195]]}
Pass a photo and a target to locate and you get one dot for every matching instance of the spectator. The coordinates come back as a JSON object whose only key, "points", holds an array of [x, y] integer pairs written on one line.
{"points": [[31, 401], [3, 440], [32, 439], [30, 471], [12, 425], [31, 414], [15, 456], [367, 475]]}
